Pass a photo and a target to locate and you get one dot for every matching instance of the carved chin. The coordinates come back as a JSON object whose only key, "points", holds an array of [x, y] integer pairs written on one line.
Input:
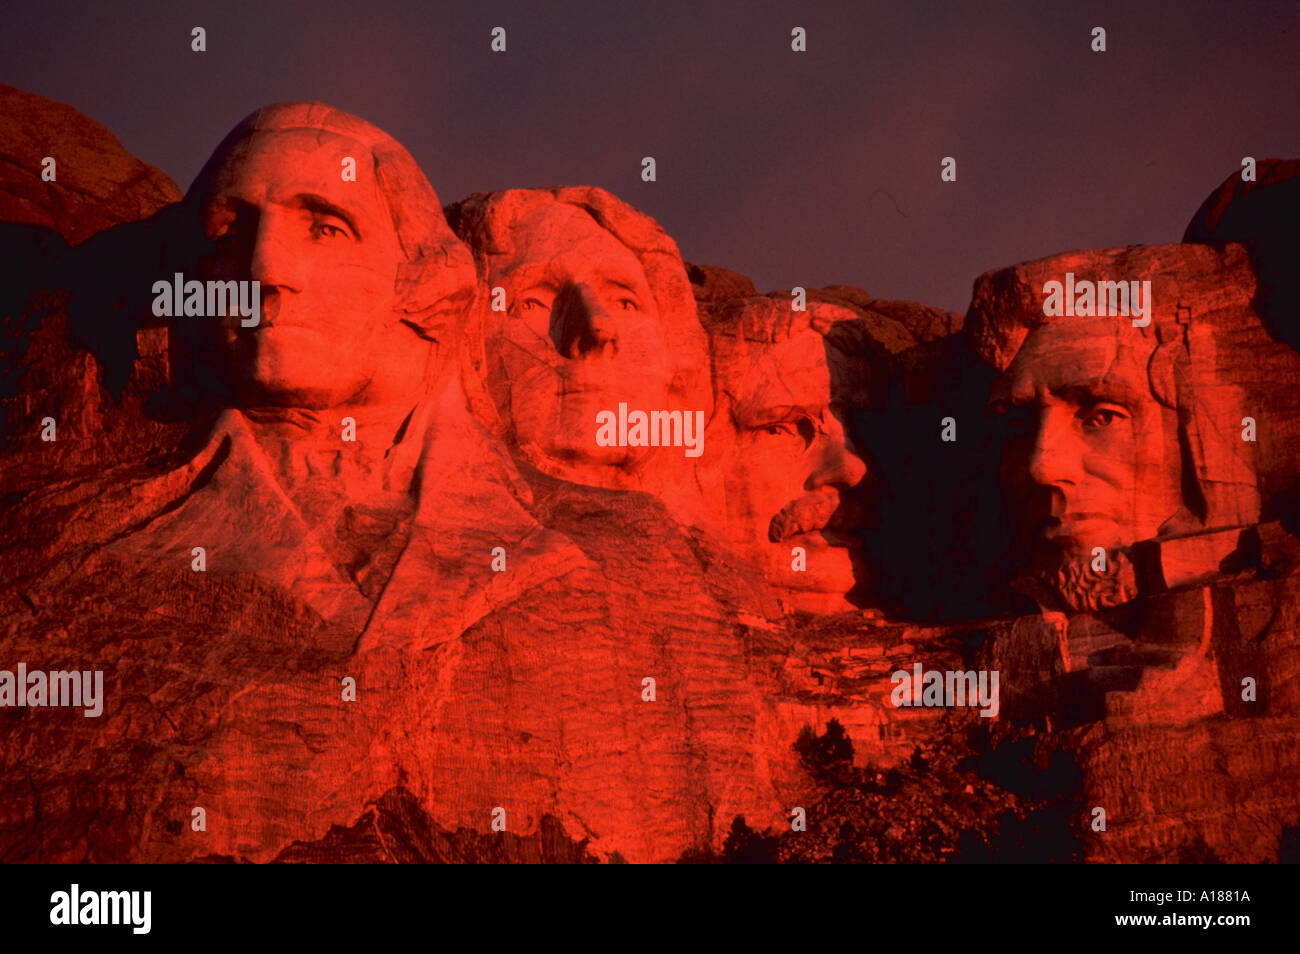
{"points": [[832, 571], [816, 600], [575, 459]]}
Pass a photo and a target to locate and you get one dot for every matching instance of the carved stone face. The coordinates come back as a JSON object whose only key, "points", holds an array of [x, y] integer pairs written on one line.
{"points": [[326, 255], [792, 476], [1091, 459], [581, 333]]}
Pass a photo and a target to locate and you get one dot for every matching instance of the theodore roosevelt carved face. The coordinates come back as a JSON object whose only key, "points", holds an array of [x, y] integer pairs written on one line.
{"points": [[793, 480]]}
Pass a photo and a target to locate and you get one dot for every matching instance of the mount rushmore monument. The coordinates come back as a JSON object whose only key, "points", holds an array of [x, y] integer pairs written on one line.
{"points": [[401, 530]]}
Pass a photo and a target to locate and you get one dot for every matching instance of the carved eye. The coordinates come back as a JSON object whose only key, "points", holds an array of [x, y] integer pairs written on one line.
{"points": [[628, 304], [1097, 418], [329, 231], [802, 430], [781, 430], [533, 305]]}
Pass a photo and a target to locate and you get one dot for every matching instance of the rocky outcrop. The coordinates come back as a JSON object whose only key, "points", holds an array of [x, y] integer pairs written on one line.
{"points": [[395, 829], [895, 325], [1261, 215], [93, 183], [74, 302], [227, 694]]}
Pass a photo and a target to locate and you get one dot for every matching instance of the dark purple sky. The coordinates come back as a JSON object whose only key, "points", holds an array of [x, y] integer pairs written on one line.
{"points": [[806, 169]]}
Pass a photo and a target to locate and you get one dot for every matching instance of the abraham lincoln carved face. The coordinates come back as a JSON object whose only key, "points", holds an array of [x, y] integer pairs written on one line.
{"points": [[346, 238], [1113, 434], [1090, 458]]}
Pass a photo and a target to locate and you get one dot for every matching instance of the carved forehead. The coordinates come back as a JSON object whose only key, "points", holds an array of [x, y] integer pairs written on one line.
{"points": [[1073, 353], [745, 329], [558, 220], [766, 354], [410, 200], [304, 122], [279, 165], [283, 151], [309, 117], [790, 372], [1007, 303], [562, 240]]}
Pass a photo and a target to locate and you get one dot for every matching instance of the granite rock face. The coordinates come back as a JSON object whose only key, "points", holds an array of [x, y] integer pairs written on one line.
{"points": [[383, 596], [395, 829], [226, 693], [591, 321], [1163, 673], [303, 603]]}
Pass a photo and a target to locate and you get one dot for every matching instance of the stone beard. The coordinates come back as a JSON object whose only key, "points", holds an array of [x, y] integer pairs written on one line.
{"points": [[1078, 586]]}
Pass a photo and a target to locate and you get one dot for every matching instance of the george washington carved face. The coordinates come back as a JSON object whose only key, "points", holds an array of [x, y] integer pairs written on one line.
{"points": [[360, 276], [326, 255]]}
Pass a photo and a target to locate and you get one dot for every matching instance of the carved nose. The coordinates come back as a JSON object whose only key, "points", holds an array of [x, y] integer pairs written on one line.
{"points": [[838, 463], [1054, 457], [580, 325], [274, 262]]}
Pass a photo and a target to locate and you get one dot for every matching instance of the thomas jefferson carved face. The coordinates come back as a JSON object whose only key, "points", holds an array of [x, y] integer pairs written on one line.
{"points": [[581, 334], [326, 253], [1091, 458]]}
